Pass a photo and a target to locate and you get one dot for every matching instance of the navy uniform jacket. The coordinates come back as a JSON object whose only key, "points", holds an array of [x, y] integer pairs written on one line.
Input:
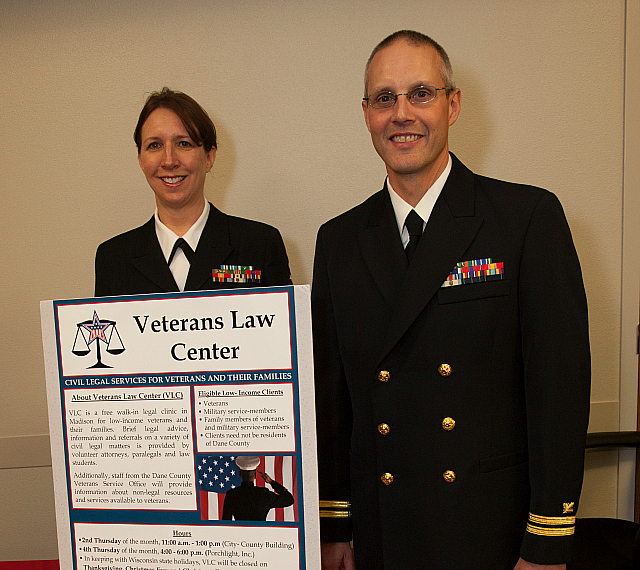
{"points": [[251, 503], [451, 419], [133, 262]]}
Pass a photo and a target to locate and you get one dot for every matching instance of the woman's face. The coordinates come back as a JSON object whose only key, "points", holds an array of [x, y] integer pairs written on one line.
{"points": [[175, 167]]}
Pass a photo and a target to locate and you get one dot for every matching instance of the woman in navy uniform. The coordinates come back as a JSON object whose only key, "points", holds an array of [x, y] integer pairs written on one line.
{"points": [[188, 244]]}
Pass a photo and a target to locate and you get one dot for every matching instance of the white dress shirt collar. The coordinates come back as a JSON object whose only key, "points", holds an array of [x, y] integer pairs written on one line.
{"points": [[167, 238], [423, 207]]}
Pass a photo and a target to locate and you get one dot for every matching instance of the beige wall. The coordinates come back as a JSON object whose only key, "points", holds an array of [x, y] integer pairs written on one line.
{"points": [[542, 103]]}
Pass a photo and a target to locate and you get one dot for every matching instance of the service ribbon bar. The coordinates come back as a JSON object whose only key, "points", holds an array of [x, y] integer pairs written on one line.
{"points": [[236, 274], [475, 271]]}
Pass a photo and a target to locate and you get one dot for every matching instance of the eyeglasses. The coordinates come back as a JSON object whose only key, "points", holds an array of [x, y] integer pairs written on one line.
{"points": [[417, 96]]}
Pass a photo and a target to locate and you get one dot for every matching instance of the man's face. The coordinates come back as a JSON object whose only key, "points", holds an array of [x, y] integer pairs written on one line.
{"points": [[412, 139]]}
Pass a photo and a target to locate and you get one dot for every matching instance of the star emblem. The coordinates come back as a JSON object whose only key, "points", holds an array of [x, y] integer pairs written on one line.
{"points": [[96, 329]]}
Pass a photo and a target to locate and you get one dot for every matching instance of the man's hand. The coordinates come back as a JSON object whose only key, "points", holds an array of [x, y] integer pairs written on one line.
{"points": [[266, 477], [524, 565], [337, 555]]}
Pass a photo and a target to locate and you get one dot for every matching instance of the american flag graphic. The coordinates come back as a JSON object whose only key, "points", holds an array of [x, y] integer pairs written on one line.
{"points": [[219, 473]]}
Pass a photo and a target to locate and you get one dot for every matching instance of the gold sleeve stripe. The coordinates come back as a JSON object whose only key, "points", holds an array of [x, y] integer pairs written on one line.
{"points": [[551, 531], [335, 504], [335, 514], [551, 520]]}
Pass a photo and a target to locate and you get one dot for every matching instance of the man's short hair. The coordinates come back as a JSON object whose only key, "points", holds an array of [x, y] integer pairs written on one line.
{"points": [[415, 39], [198, 124]]}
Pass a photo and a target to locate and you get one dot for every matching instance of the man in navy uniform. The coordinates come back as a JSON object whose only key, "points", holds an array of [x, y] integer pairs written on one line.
{"points": [[249, 502], [451, 350]]}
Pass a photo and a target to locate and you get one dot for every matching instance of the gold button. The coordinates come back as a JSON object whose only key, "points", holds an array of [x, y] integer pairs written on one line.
{"points": [[387, 478], [449, 476], [444, 369], [384, 429], [448, 424], [384, 376]]}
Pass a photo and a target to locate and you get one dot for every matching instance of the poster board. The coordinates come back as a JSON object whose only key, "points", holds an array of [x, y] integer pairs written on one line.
{"points": [[155, 402]]}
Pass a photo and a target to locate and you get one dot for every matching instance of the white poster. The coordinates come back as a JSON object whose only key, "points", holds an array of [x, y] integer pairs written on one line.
{"points": [[183, 430]]}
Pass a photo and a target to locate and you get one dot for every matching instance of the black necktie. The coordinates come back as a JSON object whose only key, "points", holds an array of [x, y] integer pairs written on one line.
{"points": [[413, 223], [184, 246]]}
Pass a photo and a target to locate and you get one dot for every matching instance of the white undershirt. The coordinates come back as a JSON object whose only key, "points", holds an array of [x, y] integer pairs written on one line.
{"points": [[180, 264], [424, 206]]}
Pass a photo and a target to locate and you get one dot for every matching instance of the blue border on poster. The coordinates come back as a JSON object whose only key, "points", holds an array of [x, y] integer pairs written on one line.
{"points": [[131, 516]]}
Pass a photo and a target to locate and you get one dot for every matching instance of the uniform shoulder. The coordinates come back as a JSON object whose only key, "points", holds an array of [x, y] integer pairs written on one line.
{"points": [[237, 224], [126, 239], [511, 195], [358, 213], [502, 186]]}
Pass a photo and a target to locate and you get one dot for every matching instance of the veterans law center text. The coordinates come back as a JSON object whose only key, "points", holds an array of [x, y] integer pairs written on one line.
{"points": [[180, 351]]}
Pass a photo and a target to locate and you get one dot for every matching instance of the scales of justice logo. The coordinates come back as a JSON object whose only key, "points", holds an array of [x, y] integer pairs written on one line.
{"points": [[97, 330]]}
